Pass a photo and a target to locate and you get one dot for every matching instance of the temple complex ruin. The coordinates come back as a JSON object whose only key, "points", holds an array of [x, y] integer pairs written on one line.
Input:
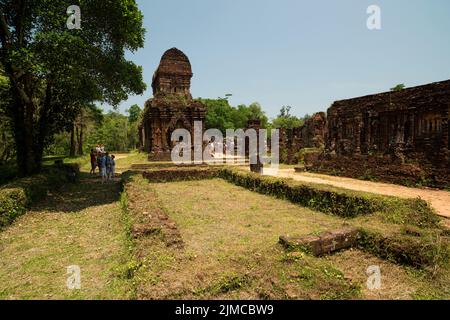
{"points": [[397, 135], [311, 135], [171, 107]]}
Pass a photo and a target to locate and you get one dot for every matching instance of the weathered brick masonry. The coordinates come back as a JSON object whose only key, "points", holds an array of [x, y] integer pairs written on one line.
{"points": [[311, 135], [401, 135], [171, 107]]}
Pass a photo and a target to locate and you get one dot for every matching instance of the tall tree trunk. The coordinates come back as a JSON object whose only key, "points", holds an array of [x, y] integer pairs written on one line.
{"points": [[43, 123], [23, 108], [24, 140], [72, 142], [80, 141]]}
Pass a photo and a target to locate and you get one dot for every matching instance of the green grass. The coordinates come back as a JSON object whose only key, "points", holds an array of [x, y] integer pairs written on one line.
{"points": [[231, 251], [230, 245], [81, 224]]}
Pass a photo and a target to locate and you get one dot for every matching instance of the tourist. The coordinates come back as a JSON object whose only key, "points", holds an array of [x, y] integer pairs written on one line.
{"points": [[112, 168], [108, 166], [99, 160], [103, 168], [93, 161]]}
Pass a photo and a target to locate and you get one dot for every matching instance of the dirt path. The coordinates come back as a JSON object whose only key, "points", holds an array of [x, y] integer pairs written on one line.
{"points": [[440, 200]]}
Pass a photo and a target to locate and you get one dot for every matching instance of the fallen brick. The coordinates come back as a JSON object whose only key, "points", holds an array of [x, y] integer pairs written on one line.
{"points": [[325, 243]]}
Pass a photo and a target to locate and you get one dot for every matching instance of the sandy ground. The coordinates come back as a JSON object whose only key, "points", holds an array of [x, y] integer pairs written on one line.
{"points": [[121, 156], [439, 200]]}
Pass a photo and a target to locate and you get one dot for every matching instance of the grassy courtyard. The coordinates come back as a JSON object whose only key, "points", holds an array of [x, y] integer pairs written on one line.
{"points": [[205, 239], [231, 251]]}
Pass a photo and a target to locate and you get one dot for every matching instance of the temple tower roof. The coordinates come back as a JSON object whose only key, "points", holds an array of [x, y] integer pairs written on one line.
{"points": [[173, 75]]}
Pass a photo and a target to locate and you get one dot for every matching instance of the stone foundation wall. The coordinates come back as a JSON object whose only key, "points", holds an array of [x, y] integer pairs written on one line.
{"points": [[383, 168], [311, 135]]}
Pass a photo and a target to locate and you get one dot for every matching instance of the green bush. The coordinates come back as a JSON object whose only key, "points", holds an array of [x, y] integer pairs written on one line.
{"points": [[13, 203], [428, 251], [7, 173], [18, 195], [327, 201], [330, 200]]}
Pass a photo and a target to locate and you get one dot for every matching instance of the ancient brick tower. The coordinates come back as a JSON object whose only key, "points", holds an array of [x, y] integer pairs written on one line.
{"points": [[171, 107]]}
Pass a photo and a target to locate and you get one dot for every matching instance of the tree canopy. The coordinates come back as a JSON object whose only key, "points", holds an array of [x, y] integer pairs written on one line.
{"points": [[398, 87], [285, 120], [54, 72], [221, 115]]}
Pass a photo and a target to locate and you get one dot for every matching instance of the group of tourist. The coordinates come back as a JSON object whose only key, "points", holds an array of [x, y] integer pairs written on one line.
{"points": [[105, 163], [216, 149]]}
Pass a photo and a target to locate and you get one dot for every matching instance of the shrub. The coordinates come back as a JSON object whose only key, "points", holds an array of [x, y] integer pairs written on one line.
{"points": [[327, 201], [13, 203], [428, 251], [18, 195], [7, 173]]}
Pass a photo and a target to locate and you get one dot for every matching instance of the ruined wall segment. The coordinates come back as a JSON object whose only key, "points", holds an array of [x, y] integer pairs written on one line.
{"points": [[310, 135], [404, 131]]}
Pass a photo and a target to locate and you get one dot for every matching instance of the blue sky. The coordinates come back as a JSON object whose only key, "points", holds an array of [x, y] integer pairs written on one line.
{"points": [[305, 54]]}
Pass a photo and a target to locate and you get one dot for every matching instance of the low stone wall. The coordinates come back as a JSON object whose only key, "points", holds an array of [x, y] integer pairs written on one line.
{"points": [[383, 169]]}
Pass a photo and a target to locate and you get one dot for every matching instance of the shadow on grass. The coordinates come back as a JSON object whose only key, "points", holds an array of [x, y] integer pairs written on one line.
{"points": [[88, 192]]}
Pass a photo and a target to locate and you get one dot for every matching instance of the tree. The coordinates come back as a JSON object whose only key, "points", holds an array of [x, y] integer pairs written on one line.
{"points": [[398, 87], [6, 137], [88, 117], [221, 115], [134, 113], [54, 72], [285, 120], [113, 132], [134, 119]]}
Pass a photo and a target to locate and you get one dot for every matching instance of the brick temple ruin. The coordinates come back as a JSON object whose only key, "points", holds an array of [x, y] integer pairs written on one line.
{"points": [[397, 136], [311, 135], [171, 107]]}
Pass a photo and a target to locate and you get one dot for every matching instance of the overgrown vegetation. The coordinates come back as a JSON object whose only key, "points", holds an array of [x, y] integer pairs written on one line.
{"points": [[221, 115], [54, 73], [424, 249], [16, 197], [230, 250], [327, 199], [331, 200]]}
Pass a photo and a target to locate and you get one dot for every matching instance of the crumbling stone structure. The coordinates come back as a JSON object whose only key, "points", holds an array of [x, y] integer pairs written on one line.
{"points": [[324, 243], [310, 135], [400, 135], [257, 167], [171, 107]]}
